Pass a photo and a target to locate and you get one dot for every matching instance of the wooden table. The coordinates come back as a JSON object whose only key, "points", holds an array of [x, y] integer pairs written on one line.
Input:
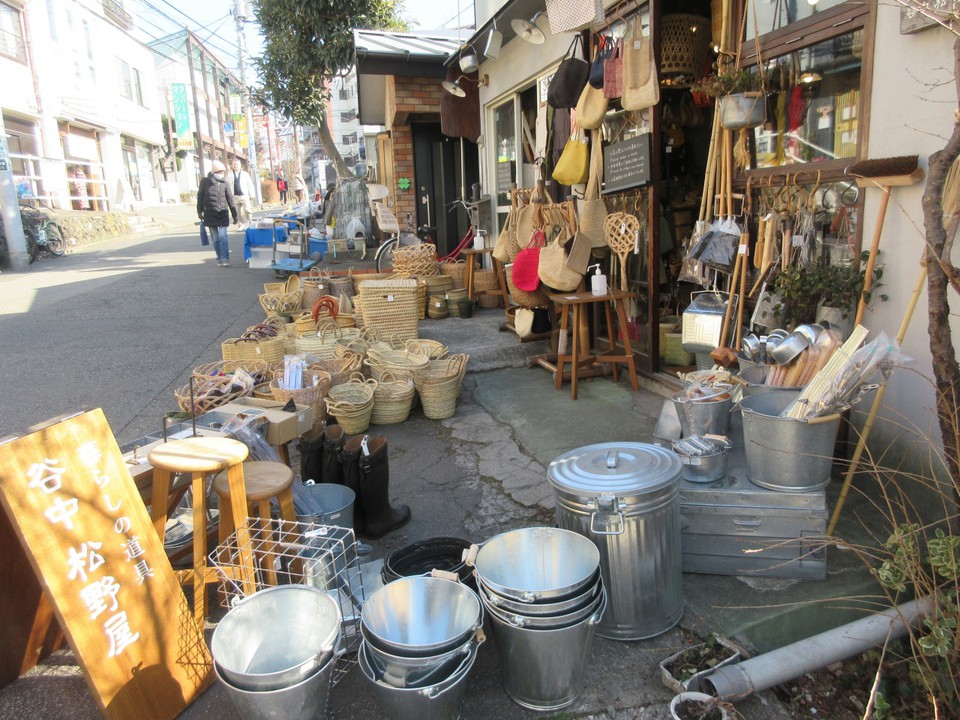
{"points": [[576, 302], [500, 290]]}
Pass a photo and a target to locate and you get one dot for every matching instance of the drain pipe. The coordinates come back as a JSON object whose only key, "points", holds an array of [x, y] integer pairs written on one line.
{"points": [[738, 681]]}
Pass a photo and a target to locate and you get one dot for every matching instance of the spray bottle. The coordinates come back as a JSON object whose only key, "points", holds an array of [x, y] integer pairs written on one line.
{"points": [[598, 281]]}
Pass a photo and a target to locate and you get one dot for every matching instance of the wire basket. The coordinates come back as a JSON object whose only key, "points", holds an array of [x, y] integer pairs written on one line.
{"points": [[293, 553]]}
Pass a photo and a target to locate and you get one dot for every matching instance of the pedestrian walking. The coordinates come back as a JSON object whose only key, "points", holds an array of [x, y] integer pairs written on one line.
{"points": [[215, 207], [241, 183], [282, 187], [299, 186]]}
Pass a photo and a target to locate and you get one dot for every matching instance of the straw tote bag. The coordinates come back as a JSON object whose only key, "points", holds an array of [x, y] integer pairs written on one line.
{"points": [[613, 72], [641, 86], [592, 107], [573, 167], [505, 249], [593, 210], [553, 270]]}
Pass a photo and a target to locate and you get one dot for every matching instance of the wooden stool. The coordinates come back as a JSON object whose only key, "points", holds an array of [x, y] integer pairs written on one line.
{"points": [[199, 457], [501, 288], [262, 481]]}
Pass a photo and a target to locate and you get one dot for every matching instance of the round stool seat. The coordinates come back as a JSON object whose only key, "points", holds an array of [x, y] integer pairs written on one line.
{"points": [[198, 454], [262, 479]]}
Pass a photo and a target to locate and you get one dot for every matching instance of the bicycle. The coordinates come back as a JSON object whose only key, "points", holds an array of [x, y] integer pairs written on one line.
{"points": [[42, 234], [424, 233]]}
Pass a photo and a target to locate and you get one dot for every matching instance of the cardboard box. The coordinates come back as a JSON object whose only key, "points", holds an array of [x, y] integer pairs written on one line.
{"points": [[282, 426]]}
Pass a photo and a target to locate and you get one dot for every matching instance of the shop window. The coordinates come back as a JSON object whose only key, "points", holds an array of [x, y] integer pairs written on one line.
{"points": [[770, 16], [505, 149]]}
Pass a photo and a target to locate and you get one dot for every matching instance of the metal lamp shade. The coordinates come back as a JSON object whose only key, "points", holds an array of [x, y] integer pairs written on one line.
{"points": [[494, 42]]}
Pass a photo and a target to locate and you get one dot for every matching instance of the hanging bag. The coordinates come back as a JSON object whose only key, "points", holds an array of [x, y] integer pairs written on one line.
{"points": [[593, 210], [613, 71], [553, 269], [506, 246], [641, 86], [591, 107], [568, 81], [570, 15], [526, 265], [604, 50], [573, 167]]}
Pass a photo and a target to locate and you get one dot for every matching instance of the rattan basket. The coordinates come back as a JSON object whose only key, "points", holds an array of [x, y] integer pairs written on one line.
{"points": [[267, 349], [278, 322], [433, 349], [442, 370], [400, 363], [263, 392], [390, 306], [439, 399], [312, 396], [485, 280], [210, 393], [257, 369], [315, 285], [392, 400], [303, 322], [437, 307], [275, 304], [453, 297], [420, 260], [340, 369], [685, 47], [340, 284], [456, 270], [522, 297], [351, 403], [361, 277], [322, 342]]}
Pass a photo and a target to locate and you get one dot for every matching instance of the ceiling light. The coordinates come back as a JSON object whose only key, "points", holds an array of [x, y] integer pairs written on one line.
{"points": [[810, 77], [494, 41], [528, 31], [454, 87]]}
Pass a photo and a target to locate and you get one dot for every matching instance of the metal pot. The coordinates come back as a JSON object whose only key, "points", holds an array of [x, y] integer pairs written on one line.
{"points": [[276, 637], [541, 622], [421, 616], [417, 672], [561, 607], [536, 564]]}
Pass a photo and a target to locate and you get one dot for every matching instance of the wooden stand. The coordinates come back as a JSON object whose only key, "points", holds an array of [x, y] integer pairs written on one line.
{"points": [[579, 359], [500, 290]]}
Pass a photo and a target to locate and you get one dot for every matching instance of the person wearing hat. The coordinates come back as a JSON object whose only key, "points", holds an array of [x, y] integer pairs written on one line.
{"points": [[215, 207]]}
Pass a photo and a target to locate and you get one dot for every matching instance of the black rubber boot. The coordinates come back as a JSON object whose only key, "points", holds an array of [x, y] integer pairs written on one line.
{"points": [[380, 517], [350, 456], [311, 455], [333, 439]]}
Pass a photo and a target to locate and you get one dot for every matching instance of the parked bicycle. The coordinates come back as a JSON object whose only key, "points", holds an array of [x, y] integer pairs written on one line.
{"points": [[425, 233], [44, 237]]}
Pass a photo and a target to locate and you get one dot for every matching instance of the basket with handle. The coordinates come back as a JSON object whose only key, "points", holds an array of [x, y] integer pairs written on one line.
{"points": [[313, 396], [400, 363], [277, 303], [456, 270], [303, 322], [267, 349], [321, 342], [392, 400], [390, 306], [340, 284], [209, 393], [340, 369], [315, 285], [433, 349], [351, 403], [453, 297], [274, 288], [486, 280], [420, 260], [522, 297], [441, 370], [355, 341], [262, 391], [439, 398], [257, 369]]}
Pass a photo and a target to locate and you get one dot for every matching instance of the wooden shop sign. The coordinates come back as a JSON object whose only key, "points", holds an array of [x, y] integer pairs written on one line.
{"points": [[83, 525], [626, 164]]}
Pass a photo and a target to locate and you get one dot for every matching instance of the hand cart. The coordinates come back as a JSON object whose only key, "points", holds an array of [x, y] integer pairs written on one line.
{"points": [[284, 262]]}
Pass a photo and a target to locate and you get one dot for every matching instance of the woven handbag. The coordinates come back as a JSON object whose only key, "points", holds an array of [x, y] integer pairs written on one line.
{"points": [[568, 15], [591, 108], [641, 85], [592, 209], [522, 298], [553, 270], [505, 249], [613, 72]]}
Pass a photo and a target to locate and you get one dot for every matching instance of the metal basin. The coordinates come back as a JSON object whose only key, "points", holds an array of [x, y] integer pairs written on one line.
{"points": [[303, 701], [537, 564], [276, 637], [554, 622], [561, 607], [417, 672], [421, 616]]}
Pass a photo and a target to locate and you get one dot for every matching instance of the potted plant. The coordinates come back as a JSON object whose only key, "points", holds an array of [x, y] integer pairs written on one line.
{"points": [[697, 706], [738, 104]]}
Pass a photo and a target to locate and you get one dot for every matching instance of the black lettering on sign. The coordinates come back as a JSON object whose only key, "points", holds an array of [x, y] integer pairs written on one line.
{"points": [[626, 164]]}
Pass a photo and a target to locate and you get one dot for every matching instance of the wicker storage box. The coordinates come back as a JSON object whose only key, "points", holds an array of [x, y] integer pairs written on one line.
{"points": [[360, 277], [390, 307]]}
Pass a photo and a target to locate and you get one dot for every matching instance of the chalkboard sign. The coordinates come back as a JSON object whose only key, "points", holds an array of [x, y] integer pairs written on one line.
{"points": [[81, 521], [504, 176], [626, 164]]}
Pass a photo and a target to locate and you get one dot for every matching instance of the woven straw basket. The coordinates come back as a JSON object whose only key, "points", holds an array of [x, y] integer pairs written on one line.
{"points": [[315, 285], [433, 349], [267, 349], [456, 270], [351, 403], [392, 400], [400, 363], [313, 396], [486, 280], [439, 386], [209, 393], [390, 306], [420, 260], [274, 304], [437, 307], [257, 369], [521, 297]]}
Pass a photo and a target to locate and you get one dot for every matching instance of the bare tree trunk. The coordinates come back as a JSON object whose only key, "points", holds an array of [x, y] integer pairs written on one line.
{"points": [[330, 148], [946, 371]]}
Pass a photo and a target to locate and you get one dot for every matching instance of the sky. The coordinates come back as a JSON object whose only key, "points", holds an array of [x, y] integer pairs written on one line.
{"points": [[213, 22]]}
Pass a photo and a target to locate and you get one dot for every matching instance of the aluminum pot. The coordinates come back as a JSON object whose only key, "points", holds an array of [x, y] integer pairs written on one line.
{"points": [[554, 622], [625, 498], [536, 564], [276, 637], [705, 468], [421, 616], [415, 672], [560, 607], [544, 669], [304, 701], [440, 701]]}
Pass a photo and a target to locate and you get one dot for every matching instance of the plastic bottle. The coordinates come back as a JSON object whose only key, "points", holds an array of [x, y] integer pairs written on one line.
{"points": [[598, 282]]}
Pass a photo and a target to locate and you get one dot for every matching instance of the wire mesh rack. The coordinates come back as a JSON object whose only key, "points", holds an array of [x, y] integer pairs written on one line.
{"points": [[265, 553]]}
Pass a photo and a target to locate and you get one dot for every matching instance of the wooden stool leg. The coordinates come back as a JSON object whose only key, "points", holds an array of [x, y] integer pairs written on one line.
{"points": [[611, 338], [287, 511], [469, 277], [561, 357], [284, 452], [158, 501], [502, 283], [575, 356], [266, 533], [238, 510], [199, 548], [627, 348]]}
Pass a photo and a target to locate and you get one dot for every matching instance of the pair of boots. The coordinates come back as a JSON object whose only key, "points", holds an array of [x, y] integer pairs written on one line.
{"points": [[362, 465]]}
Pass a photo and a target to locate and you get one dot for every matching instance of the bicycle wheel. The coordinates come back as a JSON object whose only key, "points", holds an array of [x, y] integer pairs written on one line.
{"points": [[33, 247], [55, 242], [384, 256]]}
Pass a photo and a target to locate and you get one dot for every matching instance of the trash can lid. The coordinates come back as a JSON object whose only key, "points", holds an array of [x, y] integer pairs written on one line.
{"points": [[621, 468]]}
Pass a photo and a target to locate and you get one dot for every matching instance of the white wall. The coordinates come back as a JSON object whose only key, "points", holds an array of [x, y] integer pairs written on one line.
{"points": [[912, 113]]}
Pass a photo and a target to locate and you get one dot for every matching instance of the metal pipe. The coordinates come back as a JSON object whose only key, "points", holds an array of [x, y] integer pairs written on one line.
{"points": [[740, 680]]}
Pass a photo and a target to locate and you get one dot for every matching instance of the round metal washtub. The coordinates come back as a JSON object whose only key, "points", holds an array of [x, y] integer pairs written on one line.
{"points": [[414, 672], [420, 616], [334, 504], [784, 453], [549, 622], [304, 701], [624, 497], [438, 553], [440, 701], [538, 609], [276, 637], [537, 564], [544, 669]]}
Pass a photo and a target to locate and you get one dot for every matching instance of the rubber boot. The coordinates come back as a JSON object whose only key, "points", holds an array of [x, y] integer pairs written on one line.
{"points": [[311, 455], [350, 462], [380, 517], [333, 439]]}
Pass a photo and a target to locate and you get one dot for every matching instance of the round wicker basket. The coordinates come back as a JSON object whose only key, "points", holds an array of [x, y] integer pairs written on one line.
{"points": [[351, 403], [392, 400], [210, 393]]}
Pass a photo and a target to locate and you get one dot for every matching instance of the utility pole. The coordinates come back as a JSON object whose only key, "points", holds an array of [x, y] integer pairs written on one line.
{"points": [[10, 203], [242, 13]]}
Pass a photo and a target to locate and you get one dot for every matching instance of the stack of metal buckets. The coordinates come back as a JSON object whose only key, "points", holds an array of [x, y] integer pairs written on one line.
{"points": [[275, 651], [542, 590], [420, 640]]}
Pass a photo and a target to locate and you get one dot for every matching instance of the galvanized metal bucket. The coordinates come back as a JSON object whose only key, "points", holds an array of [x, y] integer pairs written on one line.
{"points": [[784, 453], [708, 416], [304, 701], [334, 501], [624, 497]]}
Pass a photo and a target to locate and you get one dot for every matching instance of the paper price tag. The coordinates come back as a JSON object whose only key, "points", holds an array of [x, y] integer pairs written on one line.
{"points": [[390, 298], [743, 249], [637, 44], [623, 228]]}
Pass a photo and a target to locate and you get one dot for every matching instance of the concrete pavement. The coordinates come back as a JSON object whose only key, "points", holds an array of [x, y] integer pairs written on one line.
{"points": [[120, 326]]}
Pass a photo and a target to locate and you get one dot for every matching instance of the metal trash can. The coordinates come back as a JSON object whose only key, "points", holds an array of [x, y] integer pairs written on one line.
{"points": [[625, 498]]}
